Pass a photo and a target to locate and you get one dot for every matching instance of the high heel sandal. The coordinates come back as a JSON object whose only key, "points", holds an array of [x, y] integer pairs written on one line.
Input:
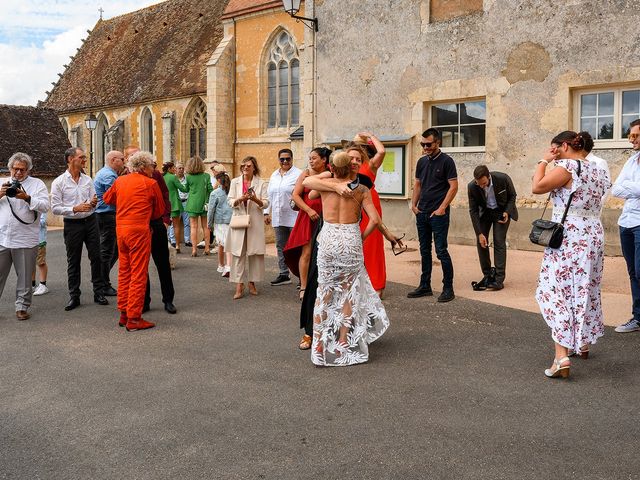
{"points": [[252, 288], [559, 370], [305, 343], [239, 294]]}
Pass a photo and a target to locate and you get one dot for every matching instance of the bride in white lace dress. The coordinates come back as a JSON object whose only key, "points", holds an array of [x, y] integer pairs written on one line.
{"points": [[348, 314]]}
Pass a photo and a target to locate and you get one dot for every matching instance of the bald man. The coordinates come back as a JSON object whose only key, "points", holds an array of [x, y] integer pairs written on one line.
{"points": [[113, 166]]}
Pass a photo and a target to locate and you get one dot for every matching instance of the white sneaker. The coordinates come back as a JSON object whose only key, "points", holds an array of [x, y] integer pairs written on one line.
{"points": [[41, 289], [201, 244], [220, 268], [226, 271], [631, 326]]}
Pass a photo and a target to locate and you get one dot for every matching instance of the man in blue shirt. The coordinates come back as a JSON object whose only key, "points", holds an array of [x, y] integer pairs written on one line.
{"points": [[627, 186], [435, 187], [114, 165]]}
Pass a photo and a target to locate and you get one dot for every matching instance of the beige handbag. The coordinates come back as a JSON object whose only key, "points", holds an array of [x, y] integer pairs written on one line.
{"points": [[240, 221]]}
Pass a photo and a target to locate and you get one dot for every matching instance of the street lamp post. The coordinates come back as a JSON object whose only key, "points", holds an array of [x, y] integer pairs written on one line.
{"points": [[292, 7], [91, 122]]}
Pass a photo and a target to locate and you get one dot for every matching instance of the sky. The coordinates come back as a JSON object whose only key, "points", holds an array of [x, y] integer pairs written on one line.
{"points": [[37, 37]]}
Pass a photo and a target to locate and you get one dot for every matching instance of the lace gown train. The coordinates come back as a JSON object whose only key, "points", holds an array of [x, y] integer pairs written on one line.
{"points": [[348, 314]]}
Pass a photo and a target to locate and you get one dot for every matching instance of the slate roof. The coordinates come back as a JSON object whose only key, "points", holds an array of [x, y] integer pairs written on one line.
{"points": [[36, 132], [236, 8], [155, 53]]}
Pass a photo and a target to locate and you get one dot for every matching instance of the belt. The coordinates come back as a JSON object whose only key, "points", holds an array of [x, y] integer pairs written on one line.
{"points": [[105, 213], [577, 212], [80, 220]]}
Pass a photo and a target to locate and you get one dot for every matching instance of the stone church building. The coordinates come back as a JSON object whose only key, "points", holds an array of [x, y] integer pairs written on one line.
{"points": [[226, 79]]}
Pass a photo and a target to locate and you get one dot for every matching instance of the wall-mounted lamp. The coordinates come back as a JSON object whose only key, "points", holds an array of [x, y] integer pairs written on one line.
{"points": [[91, 122], [292, 7]]}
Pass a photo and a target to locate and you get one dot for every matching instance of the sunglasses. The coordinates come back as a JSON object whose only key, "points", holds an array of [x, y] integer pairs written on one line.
{"points": [[398, 250], [284, 159], [426, 144]]}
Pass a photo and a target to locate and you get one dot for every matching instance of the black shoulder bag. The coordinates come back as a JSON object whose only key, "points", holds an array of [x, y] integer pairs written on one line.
{"points": [[546, 232]]}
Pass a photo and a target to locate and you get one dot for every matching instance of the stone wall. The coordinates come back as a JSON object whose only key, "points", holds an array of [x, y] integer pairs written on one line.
{"points": [[381, 70]]}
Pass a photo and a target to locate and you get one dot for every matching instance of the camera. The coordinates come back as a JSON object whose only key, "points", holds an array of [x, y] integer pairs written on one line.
{"points": [[13, 189]]}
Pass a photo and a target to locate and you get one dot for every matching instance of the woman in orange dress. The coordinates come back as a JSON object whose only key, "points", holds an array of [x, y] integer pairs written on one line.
{"points": [[297, 251], [372, 154]]}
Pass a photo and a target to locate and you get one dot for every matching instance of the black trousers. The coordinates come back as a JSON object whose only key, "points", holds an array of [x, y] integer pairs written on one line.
{"points": [[76, 232], [108, 245], [160, 255], [490, 221]]}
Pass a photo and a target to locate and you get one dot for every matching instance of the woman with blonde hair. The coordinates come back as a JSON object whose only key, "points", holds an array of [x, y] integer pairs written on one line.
{"points": [[199, 187], [568, 290], [348, 314], [245, 240]]}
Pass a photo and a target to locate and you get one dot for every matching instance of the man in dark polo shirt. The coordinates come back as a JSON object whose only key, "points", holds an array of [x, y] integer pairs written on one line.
{"points": [[435, 187]]}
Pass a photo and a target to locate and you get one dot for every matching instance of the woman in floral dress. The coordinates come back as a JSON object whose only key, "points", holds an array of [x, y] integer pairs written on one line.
{"points": [[569, 284]]}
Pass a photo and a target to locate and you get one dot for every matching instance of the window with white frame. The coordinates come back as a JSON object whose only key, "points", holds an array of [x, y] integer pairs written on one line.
{"points": [[283, 83], [607, 113], [462, 124]]}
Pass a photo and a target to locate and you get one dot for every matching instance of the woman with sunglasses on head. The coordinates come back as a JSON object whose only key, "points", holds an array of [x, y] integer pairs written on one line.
{"points": [[297, 251], [568, 290], [245, 240]]}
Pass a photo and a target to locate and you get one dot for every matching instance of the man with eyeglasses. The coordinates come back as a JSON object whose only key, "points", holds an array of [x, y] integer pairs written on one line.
{"points": [[22, 199], [627, 186], [106, 214], [279, 213], [73, 196], [492, 206], [434, 188]]}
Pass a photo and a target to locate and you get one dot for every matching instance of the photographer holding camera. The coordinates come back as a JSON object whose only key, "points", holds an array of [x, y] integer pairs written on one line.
{"points": [[22, 199]]}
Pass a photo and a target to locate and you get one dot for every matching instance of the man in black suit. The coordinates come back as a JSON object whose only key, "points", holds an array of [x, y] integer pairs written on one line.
{"points": [[492, 204]]}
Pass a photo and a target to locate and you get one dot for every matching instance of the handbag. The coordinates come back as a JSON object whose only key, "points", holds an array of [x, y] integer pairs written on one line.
{"points": [[240, 222], [549, 233]]}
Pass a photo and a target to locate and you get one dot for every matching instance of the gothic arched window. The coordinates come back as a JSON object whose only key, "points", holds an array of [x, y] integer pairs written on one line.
{"points": [[283, 83], [197, 129], [100, 142], [146, 130]]}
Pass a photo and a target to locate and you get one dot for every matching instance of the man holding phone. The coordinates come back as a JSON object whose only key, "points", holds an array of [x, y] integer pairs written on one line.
{"points": [[74, 197]]}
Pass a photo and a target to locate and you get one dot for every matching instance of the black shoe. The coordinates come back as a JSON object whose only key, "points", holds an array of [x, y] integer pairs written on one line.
{"points": [[100, 300], [281, 280], [298, 286], [73, 303], [146, 308], [420, 292], [169, 307], [495, 286], [110, 292], [188, 244], [173, 245], [446, 296]]}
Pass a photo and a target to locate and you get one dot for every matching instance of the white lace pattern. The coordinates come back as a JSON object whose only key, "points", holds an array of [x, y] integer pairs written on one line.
{"points": [[348, 314]]}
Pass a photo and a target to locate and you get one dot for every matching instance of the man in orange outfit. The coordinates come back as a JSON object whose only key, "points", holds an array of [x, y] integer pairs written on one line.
{"points": [[137, 198]]}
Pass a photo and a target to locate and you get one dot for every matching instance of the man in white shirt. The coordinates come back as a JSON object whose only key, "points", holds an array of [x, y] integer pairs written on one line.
{"points": [[279, 213], [22, 199], [74, 197], [627, 186]]}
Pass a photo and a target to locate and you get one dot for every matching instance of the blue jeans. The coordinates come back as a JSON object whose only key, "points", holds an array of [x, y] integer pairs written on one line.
{"points": [[186, 228], [436, 228], [630, 243]]}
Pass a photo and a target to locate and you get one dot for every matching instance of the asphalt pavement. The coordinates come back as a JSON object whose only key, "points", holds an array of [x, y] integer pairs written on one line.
{"points": [[220, 391]]}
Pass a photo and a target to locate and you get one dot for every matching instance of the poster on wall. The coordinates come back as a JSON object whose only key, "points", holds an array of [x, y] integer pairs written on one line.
{"points": [[390, 179]]}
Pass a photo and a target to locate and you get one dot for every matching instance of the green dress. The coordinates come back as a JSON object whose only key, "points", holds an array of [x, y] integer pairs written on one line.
{"points": [[199, 187], [173, 185]]}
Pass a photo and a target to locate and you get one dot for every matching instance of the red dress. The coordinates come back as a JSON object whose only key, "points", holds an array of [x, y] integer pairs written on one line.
{"points": [[301, 233], [373, 246]]}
